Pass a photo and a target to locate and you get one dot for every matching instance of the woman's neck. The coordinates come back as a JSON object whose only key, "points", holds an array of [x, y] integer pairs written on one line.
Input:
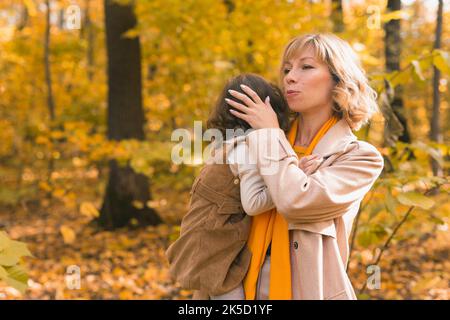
{"points": [[309, 124]]}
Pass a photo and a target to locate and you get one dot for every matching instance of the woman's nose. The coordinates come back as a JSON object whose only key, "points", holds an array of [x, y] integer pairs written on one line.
{"points": [[289, 78]]}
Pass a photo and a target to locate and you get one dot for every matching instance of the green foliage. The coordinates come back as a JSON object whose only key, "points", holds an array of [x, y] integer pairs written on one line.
{"points": [[415, 199], [11, 252], [189, 50]]}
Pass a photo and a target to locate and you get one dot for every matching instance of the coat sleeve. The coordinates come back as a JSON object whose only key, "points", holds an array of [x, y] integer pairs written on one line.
{"points": [[321, 196], [255, 196]]}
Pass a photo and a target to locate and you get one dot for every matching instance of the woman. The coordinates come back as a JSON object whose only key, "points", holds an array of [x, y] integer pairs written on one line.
{"points": [[300, 250]]}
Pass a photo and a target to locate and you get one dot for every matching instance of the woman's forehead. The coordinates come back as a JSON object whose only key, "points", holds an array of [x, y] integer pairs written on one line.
{"points": [[304, 53]]}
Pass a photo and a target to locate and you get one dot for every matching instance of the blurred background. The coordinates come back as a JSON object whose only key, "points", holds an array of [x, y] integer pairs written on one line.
{"points": [[91, 92]]}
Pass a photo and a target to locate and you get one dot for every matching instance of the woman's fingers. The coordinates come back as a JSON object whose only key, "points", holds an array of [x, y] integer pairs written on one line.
{"points": [[243, 97], [240, 115], [310, 163], [302, 161], [257, 115], [256, 99], [313, 162], [308, 158], [309, 169], [238, 105]]}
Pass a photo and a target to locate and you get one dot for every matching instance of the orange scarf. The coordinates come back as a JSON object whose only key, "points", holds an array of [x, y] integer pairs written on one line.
{"points": [[270, 227]]}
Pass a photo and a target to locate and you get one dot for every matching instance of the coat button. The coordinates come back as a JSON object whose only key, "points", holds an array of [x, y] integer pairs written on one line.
{"points": [[236, 181], [295, 245]]}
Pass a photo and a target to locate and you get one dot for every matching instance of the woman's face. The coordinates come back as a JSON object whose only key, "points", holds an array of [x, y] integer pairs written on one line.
{"points": [[308, 83]]}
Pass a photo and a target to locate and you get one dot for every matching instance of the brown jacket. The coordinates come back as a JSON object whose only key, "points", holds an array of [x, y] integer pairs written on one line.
{"points": [[211, 255]]}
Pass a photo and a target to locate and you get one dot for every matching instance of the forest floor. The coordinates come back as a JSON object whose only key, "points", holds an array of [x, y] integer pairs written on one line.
{"points": [[130, 263]]}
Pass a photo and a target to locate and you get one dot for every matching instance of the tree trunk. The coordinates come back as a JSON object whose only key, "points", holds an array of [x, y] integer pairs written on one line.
{"points": [[50, 105], [125, 121], [337, 16], [48, 76], [393, 46], [89, 29], [392, 53], [435, 117], [23, 17], [48, 81]]}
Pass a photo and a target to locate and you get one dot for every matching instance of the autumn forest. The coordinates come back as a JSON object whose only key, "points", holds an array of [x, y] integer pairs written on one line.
{"points": [[91, 92]]}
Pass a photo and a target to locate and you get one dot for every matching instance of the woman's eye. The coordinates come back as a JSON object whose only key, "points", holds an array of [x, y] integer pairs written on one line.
{"points": [[306, 66], [286, 71]]}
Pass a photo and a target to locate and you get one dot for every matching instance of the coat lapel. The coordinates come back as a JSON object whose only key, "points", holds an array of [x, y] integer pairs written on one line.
{"points": [[335, 140]]}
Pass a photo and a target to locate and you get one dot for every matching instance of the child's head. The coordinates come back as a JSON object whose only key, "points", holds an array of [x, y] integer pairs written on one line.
{"points": [[221, 117]]}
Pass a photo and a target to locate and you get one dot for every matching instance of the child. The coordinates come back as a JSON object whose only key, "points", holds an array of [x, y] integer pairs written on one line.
{"points": [[211, 255]]}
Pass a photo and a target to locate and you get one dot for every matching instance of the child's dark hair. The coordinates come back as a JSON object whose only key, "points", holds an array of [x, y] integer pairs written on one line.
{"points": [[221, 118]]}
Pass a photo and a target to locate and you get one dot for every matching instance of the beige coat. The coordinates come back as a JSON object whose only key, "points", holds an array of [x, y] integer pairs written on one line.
{"points": [[320, 207]]}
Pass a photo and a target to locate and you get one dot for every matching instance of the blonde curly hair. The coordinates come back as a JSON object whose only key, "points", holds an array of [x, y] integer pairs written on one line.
{"points": [[353, 97]]}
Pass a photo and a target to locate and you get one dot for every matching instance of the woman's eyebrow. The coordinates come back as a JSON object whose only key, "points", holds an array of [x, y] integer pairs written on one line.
{"points": [[304, 58]]}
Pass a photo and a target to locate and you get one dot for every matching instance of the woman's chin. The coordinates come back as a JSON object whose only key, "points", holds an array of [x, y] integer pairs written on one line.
{"points": [[297, 108]]}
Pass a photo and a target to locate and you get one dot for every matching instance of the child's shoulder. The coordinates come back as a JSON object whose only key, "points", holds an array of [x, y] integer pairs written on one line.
{"points": [[237, 150]]}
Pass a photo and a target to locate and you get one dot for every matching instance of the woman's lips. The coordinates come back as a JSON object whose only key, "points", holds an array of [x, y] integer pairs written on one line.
{"points": [[291, 93]]}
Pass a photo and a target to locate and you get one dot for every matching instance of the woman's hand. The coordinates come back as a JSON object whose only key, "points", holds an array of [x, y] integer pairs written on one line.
{"points": [[309, 163], [255, 112]]}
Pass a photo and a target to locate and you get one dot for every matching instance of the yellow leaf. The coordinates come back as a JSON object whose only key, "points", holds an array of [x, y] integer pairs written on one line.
{"points": [[117, 272], [89, 210], [151, 274], [125, 295], [152, 203], [131, 33], [397, 15], [425, 283], [44, 186], [185, 293], [31, 6], [442, 61], [138, 204], [68, 234], [42, 140], [57, 134], [59, 193]]}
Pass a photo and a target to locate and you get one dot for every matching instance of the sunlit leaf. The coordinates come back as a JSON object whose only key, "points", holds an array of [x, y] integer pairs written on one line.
{"points": [[68, 234], [17, 278], [138, 204], [12, 253], [3, 273], [415, 199], [417, 71], [89, 210], [4, 240], [390, 203], [396, 15], [442, 61]]}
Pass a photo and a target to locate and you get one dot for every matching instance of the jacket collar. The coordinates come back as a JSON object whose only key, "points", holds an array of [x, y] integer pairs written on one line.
{"points": [[335, 140], [217, 151]]}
